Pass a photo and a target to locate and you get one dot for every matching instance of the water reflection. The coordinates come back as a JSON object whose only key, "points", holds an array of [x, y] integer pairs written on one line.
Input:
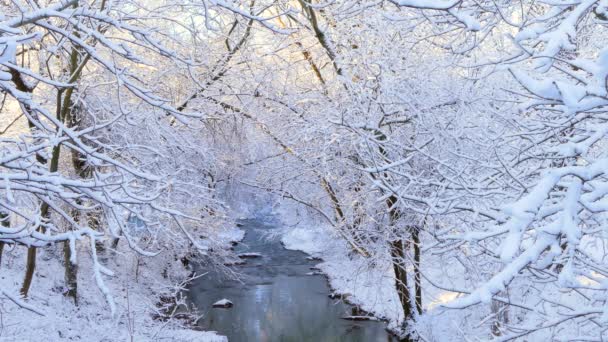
{"points": [[276, 300]]}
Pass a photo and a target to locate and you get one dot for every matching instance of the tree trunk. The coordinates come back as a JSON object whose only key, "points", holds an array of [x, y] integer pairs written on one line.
{"points": [[398, 258], [71, 273], [4, 222], [21, 85], [29, 271], [417, 275], [30, 264], [65, 114], [45, 214]]}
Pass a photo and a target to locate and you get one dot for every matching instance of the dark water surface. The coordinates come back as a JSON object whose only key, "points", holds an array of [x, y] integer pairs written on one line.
{"points": [[276, 300]]}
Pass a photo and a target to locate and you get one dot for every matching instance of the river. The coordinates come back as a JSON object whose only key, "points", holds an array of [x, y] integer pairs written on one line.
{"points": [[276, 298]]}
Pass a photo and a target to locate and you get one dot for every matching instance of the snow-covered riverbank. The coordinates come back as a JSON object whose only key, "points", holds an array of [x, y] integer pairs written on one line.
{"points": [[137, 286], [369, 286]]}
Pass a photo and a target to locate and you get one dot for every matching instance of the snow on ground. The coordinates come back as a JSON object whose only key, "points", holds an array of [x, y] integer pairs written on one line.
{"points": [[371, 287], [231, 235], [137, 286]]}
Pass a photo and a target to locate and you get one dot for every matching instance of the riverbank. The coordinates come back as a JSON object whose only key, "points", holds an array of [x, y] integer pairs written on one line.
{"points": [[137, 286], [368, 286], [371, 286]]}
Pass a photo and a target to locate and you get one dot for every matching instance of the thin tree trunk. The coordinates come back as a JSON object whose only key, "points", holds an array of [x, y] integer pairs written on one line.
{"points": [[4, 223], [398, 259], [29, 271], [398, 255], [30, 264], [71, 273], [417, 275], [66, 116], [320, 35]]}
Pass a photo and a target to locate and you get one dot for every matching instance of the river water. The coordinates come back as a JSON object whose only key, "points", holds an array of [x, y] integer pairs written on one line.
{"points": [[276, 298]]}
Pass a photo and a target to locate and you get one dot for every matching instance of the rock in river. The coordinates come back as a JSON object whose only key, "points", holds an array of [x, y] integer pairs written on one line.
{"points": [[249, 255], [223, 303]]}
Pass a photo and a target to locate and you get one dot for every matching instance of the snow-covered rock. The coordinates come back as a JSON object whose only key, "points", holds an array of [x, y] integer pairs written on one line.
{"points": [[223, 303]]}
